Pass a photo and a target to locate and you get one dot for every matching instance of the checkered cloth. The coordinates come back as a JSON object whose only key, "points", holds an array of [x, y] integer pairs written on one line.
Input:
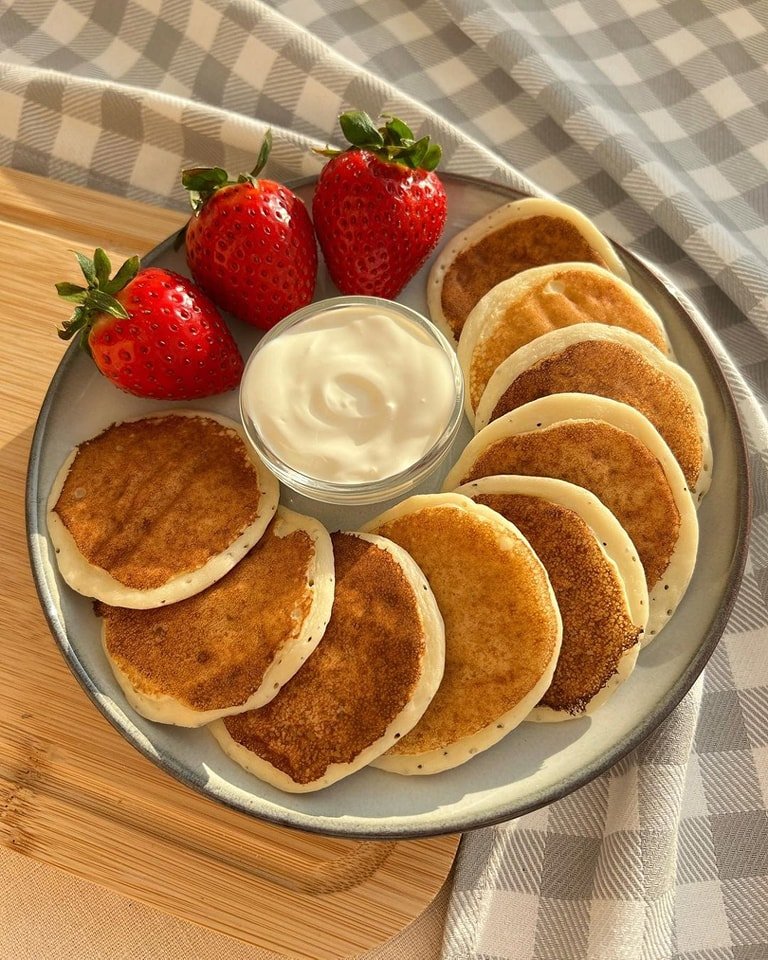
{"points": [[650, 117]]}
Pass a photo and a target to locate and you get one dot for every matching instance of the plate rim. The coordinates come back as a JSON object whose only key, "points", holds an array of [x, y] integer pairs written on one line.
{"points": [[691, 318]]}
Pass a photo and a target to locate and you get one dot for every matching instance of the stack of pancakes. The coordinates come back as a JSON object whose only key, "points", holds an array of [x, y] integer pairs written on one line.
{"points": [[589, 438], [309, 655], [564, 539]]}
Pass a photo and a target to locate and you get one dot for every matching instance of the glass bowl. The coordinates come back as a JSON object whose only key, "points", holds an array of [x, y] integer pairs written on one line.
{"points": [[364, 491]]}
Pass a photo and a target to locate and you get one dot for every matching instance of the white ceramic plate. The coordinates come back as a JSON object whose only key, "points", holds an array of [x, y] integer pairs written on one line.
{"points": [[533, 765]]}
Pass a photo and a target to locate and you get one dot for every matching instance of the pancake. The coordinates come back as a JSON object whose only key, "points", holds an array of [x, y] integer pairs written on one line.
{"points": [[231, 647], [599, 585], [533, 303], [369, 681], [502, 627], [614, 451], [156, 509], [615, 363], [515, 237]]}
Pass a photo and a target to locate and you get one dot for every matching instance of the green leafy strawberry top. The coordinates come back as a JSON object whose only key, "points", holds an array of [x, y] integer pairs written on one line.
{"points": [[98, 297], [393, 142], [203, 182]]}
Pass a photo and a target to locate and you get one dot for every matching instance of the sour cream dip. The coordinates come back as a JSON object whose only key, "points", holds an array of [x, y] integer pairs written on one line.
{"points": [[351, 391]]}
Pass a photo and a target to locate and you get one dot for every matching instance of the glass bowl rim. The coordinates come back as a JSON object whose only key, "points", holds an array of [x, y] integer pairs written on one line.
{"points": [[366, 491]]}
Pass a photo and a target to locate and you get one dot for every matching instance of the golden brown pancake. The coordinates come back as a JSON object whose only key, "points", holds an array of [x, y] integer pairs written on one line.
{"points": [[368, 682], [502, 627], [614, 451], [598, 629], [611, 463], [155, 509], [554, 297], [505, 253], [511, 239], [231, 647], [617, 370]]}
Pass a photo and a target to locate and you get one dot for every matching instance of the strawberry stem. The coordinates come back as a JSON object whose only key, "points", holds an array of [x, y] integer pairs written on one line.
{"points": [[394, 142], [98, 297], [203, 182]]}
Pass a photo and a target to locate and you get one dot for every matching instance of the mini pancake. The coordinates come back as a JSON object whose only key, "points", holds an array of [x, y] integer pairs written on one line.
{"points": [[599, 585], [515, 237], [369, 681], [502, 627], [614, 451], [156, 509], [538, 301], [233, 646], [615, 363]]}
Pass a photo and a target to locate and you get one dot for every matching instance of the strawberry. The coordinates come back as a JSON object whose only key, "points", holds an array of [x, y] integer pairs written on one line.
{"points": [[379, 208], [151, 331], [250, 244]]}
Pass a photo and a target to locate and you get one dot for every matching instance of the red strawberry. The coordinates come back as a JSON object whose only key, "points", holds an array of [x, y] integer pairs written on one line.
{"points": [[151, 332], [250, 244], [379, 209]]}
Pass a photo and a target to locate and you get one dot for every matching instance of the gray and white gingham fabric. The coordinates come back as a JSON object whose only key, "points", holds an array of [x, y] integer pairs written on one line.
{"points": [[652, 117]]}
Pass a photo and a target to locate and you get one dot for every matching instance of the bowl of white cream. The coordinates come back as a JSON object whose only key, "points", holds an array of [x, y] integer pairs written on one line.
{"points": [[352, 400]]}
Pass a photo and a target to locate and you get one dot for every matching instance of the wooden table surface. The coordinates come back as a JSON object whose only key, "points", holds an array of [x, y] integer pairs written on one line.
{"points": [[73, 793]]}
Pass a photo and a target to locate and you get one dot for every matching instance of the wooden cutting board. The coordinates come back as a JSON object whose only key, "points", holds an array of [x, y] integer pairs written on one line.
{"points": [[73, 793]]}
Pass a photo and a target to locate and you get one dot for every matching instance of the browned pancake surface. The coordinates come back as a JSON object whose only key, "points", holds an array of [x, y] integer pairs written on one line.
{"points": [[150, 500], [212, 650], [619, 469], [500, 623], [597, 630], [620, 373], [358, 679], [581, 297], [533, 242]]}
